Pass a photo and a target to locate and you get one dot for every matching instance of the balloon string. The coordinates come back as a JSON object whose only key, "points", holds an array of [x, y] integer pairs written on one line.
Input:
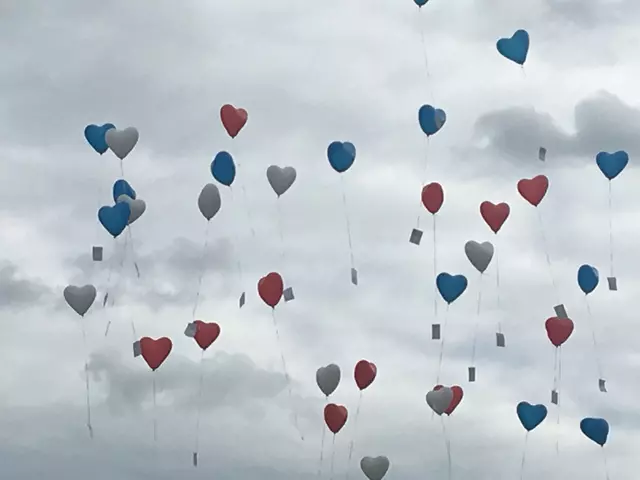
{"points": [[555, 369], [200, 388], [203, 259], [444, 328], [86, 378], [558, 405], [155, 412], [133, 252], [498, 287], [524, 455], [122, 169], [546, 251], [333, 454], [281, 231], [324, 433], [286, 374], [237, 250], [248, 208], [110, 288], [606, 463], [112, 260], [447, 444], [426, 58], [610, 231], [593, 337], [435, 271], [475, 333], [424, 176], [355, 432], [348, 221]]}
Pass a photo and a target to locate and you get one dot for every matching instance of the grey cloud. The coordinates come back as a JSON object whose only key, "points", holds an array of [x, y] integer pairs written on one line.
{"points": [[16, 291]]}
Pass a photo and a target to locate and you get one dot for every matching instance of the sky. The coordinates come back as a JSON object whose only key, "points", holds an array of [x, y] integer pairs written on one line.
{"points": [[309, 74]]}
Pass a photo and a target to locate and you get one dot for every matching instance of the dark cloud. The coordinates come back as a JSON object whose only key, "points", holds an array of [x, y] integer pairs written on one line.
{"points": [[17, 291]]}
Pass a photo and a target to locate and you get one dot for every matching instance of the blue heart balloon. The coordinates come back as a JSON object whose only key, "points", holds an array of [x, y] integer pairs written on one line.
{"points": [[421, 3], [596, 429], [516, 47], [114, 219], [223, 168], [531, 415], [122, 187], [95, 135], [588, 278], [612, 164], [451, 286], [431, 119], [341, 155]]}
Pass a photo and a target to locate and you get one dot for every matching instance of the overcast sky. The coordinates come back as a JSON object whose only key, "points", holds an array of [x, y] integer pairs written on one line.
{"points": [[308, 74]]}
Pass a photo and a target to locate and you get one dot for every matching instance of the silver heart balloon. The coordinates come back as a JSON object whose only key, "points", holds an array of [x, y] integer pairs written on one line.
{"points": [[281, 179], [121, 142], [80, 299], [328, 378], [375, 468], [136, 206], [439, 400], [479, 254]]}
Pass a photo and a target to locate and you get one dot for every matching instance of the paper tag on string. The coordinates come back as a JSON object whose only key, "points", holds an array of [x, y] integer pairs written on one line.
{"points": [[416, 236], [135, 264], [288, 294], [500, 340], [191, 330], [472, 374], [554, 397], [195, 459], [613, 284], [96, 253], [602, 386], [241, 301], [561, 312], [435, 331], [542, 154], [354, 276], [137, 351], [104, 300]]}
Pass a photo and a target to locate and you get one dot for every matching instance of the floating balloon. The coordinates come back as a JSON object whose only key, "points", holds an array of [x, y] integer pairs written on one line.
{"points": [[281, 179], [335, 416], [122, 187], [80, 299], [121, 142], [494, 215], [588, 278], [559, 330], [451, 286], [364, 374], [439, 400], [432, 197], [209, 201], [533, 190], [328, 378], [341, 155], [420, 3], [531, 415], [515, 48], [136, 206], [431, 119], [612, 164], [223, 168], [206, 333], [455, 401], [155, 352], [115, 219], [95, 135], [595, 429], [233, 119], [270, 289], [479, 254], [375, 468]]}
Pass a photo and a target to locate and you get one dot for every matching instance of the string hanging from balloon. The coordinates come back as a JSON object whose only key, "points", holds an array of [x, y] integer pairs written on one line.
{"points": [[597, 430], [420, 4], [328, 379], [445, 400], [335, 417], [530, 417]]}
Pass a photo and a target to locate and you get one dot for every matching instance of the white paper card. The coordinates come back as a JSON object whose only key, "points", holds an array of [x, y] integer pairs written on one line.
{"points": [[472, 374], [96, 253], [416, 236], [435, 331]]}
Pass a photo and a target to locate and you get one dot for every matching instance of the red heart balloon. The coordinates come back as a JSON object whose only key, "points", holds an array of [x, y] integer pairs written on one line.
{"points": [[233, 119], [365, 373], [206, 333], [155, 352], [494, 215], [270, 289], [559, 329], [455, 401], [432, 197], [533, 190], [335, 416]]}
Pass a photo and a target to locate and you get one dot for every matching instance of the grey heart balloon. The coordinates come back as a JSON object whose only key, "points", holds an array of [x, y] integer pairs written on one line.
{"points": [[439, 400], [375, 468], [328, 378], [281, 179], [209, 201], [136, 206], [479, 254], [121, 142], [80, 298]]}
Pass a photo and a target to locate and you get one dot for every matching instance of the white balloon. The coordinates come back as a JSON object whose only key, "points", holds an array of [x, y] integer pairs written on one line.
{"points": [[80, 298], [439, 400], [479, 254], [121, 142], [328, 378], [281, 179], [375, 468], [136, 206], [209, 201]]}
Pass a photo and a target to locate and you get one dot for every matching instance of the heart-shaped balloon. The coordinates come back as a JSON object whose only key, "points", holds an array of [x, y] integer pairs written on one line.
{"points": [[588, 278], [95, 135], [458, 393], [451, 286], [516, 47], [80, 299], [209, 201], [531, 415], [432, 197], [270, 289], [335, 416], [533, 190], [421, 3], [431, 119], [155, 352], [122, 187], [341, 155], [223, 168], [559, 330], [233, 119], [328, 378], [479, 254], [375, 468], [121, 142], [494, 215], [206, 333], [595, 429], [281, 179], [136, 206], [440, 399], [612, 164], [364, 373], [115, 219]]}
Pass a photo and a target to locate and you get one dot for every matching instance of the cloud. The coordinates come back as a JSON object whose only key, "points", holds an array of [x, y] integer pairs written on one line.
{"points": [[18, 292]]}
